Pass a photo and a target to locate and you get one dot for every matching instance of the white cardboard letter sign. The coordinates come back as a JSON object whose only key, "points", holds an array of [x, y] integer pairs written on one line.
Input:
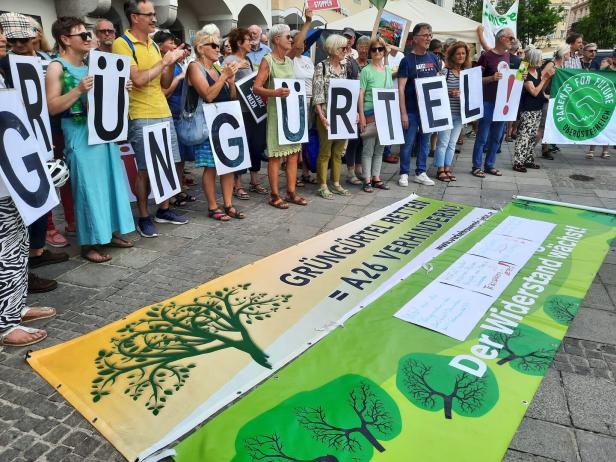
{"points": [[387, 116], [29, 81], [159, 161], [508, 94], [342, 109], [227, 136], [433, 99], [471, 94], [292, 112], [22, 161], [108, 99]]}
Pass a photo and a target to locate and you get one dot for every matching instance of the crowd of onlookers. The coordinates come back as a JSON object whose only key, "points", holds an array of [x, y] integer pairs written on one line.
{"points": [[167, 76]]}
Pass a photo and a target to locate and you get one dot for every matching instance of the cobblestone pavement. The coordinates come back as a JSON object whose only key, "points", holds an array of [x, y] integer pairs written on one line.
{"points": [[572, 418]]}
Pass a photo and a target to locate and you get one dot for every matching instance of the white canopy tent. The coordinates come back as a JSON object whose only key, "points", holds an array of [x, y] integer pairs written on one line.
{"points": [[444, 23]]}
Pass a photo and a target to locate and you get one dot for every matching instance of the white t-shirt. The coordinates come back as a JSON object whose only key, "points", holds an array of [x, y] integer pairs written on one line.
{"points": [[304, 70], [394, 61]]}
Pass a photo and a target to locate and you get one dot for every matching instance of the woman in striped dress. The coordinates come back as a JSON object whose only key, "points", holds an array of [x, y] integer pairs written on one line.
{"points": [[457, 59]]}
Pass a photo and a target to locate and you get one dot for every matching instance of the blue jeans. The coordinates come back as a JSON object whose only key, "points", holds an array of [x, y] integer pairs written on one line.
{"points": [[407, 149], [489, 135], [446, 144]]}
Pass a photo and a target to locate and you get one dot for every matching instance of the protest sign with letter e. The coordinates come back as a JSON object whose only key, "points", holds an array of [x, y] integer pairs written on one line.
{"points": [[29, 82], [471, 94], [255, 103], [387, 116], [508, 94], [227, 136], [159, 161], [342, 109], [292, 112], [433, 100], [22, 161], [108, 99]]}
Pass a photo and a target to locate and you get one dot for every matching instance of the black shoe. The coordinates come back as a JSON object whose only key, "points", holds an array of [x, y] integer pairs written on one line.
{"points": [[47, 258], [547, 155], [554, 148], [37, 285], [532, 165]]}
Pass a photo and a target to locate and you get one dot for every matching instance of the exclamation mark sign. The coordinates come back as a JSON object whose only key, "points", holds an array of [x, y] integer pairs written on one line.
{"points": [[510, 82]]}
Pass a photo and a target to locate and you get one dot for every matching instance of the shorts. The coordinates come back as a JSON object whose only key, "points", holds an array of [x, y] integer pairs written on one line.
{"points": [[135, 138], [204, 157]]}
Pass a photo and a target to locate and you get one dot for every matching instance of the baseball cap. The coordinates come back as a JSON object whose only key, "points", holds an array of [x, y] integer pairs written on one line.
{"points": [[16, 26], [348, 31]]}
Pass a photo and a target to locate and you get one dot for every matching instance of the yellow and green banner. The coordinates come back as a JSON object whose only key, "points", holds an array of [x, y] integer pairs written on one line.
{"points": [[145, 380], [382, 389]]}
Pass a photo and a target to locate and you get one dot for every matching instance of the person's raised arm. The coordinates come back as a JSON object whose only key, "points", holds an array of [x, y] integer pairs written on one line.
{"points": [[533, 89], [164, 68], [298, 42], [56, 101], [199, 82], [174, 84], [258, 87], [482, 39]]}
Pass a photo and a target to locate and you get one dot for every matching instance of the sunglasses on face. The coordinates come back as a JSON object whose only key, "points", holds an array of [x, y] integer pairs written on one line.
{"points": [[85, 36], [212, 45], [150, 15], [13, 41], [377, 49], [106, 31]]}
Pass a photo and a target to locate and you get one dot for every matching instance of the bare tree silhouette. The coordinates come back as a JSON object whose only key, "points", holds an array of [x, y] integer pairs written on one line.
{"points": [[533, 361], [467, 390], [562, 308], [371, 415], [270, 449], [150, 353]]}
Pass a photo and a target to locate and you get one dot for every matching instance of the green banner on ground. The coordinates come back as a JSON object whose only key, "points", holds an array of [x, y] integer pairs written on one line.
{"points": [[383, 389]]}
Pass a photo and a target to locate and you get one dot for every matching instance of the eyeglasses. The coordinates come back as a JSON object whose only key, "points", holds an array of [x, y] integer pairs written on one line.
{"points": [[13, 41], [85, 36], [424, 35], [212, 45], [511, 38], [106, 31], [377, 49], [288, 37], [150, 15]]}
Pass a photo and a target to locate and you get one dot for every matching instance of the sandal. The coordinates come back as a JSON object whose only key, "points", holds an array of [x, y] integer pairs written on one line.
{"points": [[309, 179], [276, 201], [605, 155], [181, 199], [97, 257], [442, 176], [295, 198], [590, 154], [494, 171], [120, 243], [340, 191], [478, 173], [367, 187], [299, 183], [325, 193], [45, 312], [22, 343], [519, 168], [257, 188], [532, 165], [380, 185], [354, 180], [451, 176], [234, 213], [218, 214], [241, 193]]}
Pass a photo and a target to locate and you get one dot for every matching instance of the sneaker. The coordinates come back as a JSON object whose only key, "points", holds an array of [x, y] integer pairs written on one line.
{"points": [[37, 285], [55, 239], [422, 178], [169, 216], [146, 228], [590, 154], [403, 180], [47, 258]]}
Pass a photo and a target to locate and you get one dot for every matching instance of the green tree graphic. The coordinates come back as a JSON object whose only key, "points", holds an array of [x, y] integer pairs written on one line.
{"points": [[562, 308], [535, 207], [527, 350], [344, 420], [430, 383], [150, 354]]}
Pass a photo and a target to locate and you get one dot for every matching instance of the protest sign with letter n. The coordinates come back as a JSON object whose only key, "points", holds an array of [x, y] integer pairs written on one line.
{"points": [[159, 161]]}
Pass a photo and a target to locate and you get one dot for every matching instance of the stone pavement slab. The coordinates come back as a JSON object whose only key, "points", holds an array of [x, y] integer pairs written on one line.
{"points": [[572, 417]]}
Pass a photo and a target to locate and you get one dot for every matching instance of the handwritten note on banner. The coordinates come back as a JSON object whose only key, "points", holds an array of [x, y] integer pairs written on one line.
{"points": [[457, 299]]}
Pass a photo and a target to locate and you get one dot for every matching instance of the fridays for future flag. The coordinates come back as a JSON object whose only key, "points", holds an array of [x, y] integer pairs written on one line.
{"points": [[581, 108], [493, 22]]}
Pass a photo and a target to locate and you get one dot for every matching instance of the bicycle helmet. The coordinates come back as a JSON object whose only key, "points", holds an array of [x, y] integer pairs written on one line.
{"points": [[58, 170]]}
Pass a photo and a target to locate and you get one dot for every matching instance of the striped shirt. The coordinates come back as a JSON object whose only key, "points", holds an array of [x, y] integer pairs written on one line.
{"points": [[453, 83], [573, 63]]}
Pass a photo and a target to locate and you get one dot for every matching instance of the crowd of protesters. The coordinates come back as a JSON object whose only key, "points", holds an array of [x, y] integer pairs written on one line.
{"points": [[97, 208]]}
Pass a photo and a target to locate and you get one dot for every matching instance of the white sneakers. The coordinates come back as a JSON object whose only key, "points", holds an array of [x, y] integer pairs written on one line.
{"points": [[422, 178]]}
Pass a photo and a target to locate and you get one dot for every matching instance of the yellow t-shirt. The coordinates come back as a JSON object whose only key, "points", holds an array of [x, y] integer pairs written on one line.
{"points": [[147, 102]]}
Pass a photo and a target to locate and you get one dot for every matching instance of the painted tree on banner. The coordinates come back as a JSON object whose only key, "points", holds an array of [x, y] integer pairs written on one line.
{"points": [[430, 383], [527, 350], [151, 354], [344, 420], [562, 308]]}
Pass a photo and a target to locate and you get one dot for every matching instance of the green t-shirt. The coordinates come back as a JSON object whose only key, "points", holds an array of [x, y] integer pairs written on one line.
{"points": [[371, 78]]}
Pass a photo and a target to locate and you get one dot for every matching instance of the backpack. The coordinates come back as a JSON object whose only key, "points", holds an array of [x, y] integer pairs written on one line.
{"points": [[131, 45]]}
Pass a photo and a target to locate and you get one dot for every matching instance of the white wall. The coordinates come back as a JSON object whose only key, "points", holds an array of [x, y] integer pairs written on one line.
{"points": [[45, 9]]}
